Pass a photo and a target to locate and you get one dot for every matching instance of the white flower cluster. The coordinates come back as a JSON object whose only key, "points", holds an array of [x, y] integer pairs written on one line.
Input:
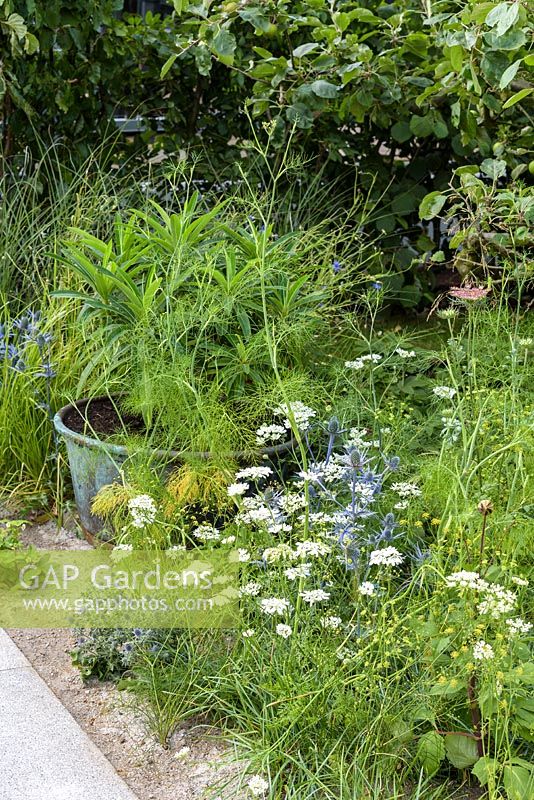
{"points": [[444, 392], [406, 489], [237, 489], [270, 434], [300, 571], [405, 353], [274, 605], [283, 630], [206, 533], [258, 786], [519, 581], [282, 552], [497, 600], [292, 502], [366, 588], [518, 626], [302, 414], [358, 438], [253, 473], [451, 430], [386, 557], [250, 589], [313, 596], [143, 510], [331, 622], [312, 549], [463, 580], [482, 651], [359, 363]]}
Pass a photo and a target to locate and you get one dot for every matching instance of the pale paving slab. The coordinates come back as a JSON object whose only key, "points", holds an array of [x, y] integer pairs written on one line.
{"points": [[43, 751]]}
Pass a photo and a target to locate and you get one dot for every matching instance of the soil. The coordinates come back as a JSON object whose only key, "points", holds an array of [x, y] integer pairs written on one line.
{"points": [[108, 715], [101, 416]]}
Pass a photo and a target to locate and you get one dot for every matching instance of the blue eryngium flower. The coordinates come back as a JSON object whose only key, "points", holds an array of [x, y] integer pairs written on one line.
{"points": [[337, 265], [333, 426], [376, 285], [392, 463]]}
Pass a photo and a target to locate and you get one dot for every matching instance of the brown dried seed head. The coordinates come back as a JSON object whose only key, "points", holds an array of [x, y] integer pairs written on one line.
{"points": [[485, 507]]}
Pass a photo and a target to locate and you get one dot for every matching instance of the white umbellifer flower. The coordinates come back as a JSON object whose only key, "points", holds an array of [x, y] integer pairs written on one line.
{"points": [[464, 580], [444, 392], [236, 489], [143, 510], [406, 489], [331, 622], [123, 547], [278, 527], [386, 556], [366, 588], [228, 540], [182, 753], [359, 363], [176, 548], [253, 473], [518, 626], [301, 413], [243, 554], [293, 502], [282, 552], [527, 342], [498, 601], [482, 651], [258, 786], [519, 581], [248, 633], [270, 433], [300, 571], [451, 430], [313, 596], [401, 506], [251, 589], [405, 353], [206, 533], [313, 549], [284, 631], [274, 605], [311, 476]]}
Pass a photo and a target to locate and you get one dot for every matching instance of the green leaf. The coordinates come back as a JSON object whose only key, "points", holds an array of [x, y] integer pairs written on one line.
{"points": [[401, 132], [438, 257], [493, 168], [456, 57], [502, 17], [168, 64], [509, 74], [17, 25], [485, 769], [324, 89], [422, 126], [517, 97], [304, 49], [431, 752], [365, 15], [180, 5], [518, 783], [300, 115], [31, 44], [461, 750], [430, 207], [224, 45]]}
